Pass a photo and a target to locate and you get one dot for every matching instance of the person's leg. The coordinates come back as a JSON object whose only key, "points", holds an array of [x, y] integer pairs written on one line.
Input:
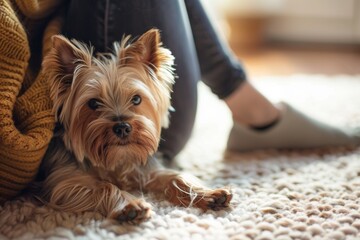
{"points": [[258, 123], [103, 22], [224, 74]]}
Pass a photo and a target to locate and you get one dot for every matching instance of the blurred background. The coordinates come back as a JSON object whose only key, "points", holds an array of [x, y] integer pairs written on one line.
{"points": [[283, 37]]}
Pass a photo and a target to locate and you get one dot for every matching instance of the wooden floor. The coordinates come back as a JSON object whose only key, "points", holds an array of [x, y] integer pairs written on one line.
{"points": [[293, 59]]}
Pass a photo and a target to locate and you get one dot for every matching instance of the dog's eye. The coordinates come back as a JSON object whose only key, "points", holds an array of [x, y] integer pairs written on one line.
{"points": [[93, 103], [136, 100]]}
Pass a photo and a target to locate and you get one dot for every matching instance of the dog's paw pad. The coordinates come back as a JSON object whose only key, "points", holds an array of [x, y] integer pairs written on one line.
{"points": [[133, 213], [219, 199]]}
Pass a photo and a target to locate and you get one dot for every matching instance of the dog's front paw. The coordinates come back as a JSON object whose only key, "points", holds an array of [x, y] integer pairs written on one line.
{"points": [[215, 199], [133, 213]]}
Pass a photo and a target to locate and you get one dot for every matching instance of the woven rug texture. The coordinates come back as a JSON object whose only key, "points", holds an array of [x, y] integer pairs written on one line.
{"points": [[312, 194]]}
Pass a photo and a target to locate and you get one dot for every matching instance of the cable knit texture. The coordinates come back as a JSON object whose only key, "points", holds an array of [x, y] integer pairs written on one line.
{"points": [[26, 119]]}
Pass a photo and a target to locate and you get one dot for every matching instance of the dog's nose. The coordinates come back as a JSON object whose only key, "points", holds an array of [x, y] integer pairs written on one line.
{"points": [[122, 129]]}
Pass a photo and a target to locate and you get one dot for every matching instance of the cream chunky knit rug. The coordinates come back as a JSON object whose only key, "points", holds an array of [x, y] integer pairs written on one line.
{"points": [[313, 194]]}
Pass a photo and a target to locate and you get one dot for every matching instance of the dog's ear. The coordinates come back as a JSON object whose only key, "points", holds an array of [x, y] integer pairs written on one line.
{"points": [[146, 49], [61, 61], [64, 56], [151, 42]]}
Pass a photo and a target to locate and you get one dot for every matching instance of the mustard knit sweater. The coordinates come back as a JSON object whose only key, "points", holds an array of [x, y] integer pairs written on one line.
{"points": [[26, 119]]}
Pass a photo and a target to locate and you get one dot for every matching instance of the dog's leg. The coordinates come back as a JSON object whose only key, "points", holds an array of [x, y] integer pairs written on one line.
{"points": [[73, 190], [134, 210], [184, 190]]}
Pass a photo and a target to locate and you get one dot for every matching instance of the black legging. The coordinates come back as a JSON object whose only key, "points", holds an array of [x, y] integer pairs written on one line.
{"points": [[185, 30]]}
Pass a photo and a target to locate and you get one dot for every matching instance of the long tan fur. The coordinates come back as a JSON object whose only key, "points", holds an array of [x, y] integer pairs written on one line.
{"points": [[90, 166]]}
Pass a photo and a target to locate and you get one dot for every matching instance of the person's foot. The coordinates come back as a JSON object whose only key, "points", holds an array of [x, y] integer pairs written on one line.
{"points": [[293, 130], [250, 108]]}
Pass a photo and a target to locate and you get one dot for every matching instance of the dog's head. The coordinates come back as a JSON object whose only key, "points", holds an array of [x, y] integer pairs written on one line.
{"points": [[112, 107]]}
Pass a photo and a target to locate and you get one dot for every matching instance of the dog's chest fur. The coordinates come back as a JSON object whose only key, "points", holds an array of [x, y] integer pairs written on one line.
{"points": [[127, 177]]}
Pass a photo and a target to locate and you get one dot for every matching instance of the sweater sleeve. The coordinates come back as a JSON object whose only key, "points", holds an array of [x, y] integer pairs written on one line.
{"points": [[26, 121]]}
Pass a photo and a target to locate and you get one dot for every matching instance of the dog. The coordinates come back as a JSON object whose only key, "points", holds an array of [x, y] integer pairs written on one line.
{"points": [[110, 110]]}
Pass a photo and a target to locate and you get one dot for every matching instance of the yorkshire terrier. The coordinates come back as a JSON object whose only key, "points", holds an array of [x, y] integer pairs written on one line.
{"points": [[110, 111]]}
